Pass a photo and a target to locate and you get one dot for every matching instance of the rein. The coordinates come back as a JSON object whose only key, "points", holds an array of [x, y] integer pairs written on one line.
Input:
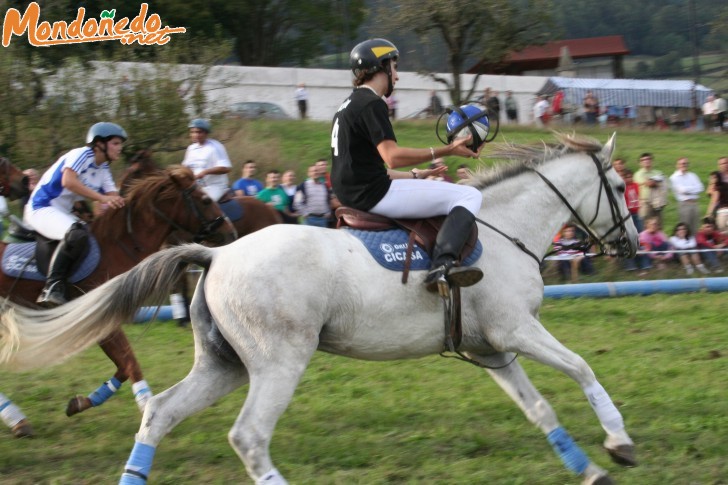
{"points": [[207, 227], [593, 238]]}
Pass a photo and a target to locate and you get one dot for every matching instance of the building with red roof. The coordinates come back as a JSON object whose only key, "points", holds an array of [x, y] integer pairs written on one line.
{"points": [[601, 58]]}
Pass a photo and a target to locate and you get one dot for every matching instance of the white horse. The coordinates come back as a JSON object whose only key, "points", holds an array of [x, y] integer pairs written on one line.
{"points": [[282, 293]]}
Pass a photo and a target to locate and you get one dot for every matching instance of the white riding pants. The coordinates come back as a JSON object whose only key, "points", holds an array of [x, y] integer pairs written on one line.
{"points": [[214, 191], [415, 199], [50, 221]]}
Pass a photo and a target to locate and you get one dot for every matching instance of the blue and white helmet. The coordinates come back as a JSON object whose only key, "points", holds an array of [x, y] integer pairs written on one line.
{"points": [[104, 131], [200, 124], [470, 119]]}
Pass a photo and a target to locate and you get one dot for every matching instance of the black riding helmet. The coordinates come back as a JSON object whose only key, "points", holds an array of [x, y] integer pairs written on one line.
{"points": [[368, 57]]}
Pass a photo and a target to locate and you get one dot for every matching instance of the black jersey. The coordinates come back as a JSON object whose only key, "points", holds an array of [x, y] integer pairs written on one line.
{"points": [[358, 173]]}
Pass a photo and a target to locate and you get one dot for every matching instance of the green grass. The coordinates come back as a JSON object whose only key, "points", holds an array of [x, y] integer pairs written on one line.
{"points": [[432, 420]]}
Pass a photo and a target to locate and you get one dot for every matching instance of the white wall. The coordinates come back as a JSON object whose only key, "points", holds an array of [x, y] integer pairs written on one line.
{"points": [[327, 88]]}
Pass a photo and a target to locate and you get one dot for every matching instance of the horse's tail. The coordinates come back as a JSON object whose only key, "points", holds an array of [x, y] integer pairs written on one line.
{"points": [[37, 338]]}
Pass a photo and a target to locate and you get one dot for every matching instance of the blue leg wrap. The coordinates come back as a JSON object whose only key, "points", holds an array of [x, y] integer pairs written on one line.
{"points": [[139, 465], [5, 404], [569, 452], [104, 392]]}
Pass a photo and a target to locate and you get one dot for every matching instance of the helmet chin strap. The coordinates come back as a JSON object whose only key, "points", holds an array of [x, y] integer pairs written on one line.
{"points": [[390, 84]]}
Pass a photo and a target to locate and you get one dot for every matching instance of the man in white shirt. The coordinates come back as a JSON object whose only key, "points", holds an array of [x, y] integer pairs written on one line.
{"points": [[687, 188], [208, 160]]}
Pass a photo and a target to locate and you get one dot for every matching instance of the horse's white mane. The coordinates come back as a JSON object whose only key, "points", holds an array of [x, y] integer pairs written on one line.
{"points": [[521, 158]]}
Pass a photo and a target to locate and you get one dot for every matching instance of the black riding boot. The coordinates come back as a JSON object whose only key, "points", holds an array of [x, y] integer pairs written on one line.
{"points": [[69, 249], [452, 237]]}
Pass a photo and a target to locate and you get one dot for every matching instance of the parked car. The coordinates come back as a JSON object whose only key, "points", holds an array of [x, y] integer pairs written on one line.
{"points": [[256, 109]]}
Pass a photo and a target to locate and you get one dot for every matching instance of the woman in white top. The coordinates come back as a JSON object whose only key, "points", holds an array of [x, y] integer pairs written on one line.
{"points": [[681, 239]]}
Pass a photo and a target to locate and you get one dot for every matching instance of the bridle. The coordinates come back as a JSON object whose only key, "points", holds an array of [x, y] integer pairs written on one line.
{"points": [[207, 227], [605, 248]]}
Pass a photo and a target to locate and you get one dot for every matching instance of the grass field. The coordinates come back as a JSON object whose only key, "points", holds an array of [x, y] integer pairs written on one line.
{"points": [[433, 420]]}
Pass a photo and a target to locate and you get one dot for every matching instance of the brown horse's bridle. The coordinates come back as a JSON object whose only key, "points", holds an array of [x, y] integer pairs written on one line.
{"points": [[207, 227]]}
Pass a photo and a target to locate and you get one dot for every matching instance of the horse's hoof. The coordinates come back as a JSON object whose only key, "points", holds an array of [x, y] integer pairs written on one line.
{"points": [[623, 455], [77, 404], [603, 480], [23, 429]]}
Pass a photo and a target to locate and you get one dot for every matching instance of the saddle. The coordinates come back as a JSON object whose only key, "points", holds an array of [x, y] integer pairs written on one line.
{"points": [[28, 254], [424, 233]]}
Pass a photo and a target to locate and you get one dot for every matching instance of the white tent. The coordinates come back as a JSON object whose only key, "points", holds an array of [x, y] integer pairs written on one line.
{"points": [[630, 92]]}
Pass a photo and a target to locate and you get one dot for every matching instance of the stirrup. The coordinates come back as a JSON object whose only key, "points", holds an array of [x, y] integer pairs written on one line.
{"points": [[52, 296], [447, 274]]}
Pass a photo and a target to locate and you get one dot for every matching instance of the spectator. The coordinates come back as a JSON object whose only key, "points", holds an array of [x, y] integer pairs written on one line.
{"points": [[541, 111], [619, 167], [463, 172], [709, 112], [435, 107], [288, 184], [723, 169], [653, 239], [313, 198], [721, 106], [591, 108], [247, 185], [208, 160], [511, 107], [324, 166], [301, 97], [573, 259], [683, 240], [557, 104], [653, 192], [632, 198], [708, 237], [493, 104], [687, 187], [274, 195], [718, 204]]}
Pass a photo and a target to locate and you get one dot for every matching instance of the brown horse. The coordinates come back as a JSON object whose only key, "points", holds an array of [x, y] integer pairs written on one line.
{"points": [[157, 205], [14, 185]]}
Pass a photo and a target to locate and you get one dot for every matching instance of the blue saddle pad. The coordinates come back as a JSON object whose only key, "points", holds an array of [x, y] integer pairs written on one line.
{"points": [[389, 249], [19, 262], [232, 209]]}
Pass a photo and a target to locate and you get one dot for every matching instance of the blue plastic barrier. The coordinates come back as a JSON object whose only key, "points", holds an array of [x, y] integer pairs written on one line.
{"points": [[146, 313], [626, 288]]}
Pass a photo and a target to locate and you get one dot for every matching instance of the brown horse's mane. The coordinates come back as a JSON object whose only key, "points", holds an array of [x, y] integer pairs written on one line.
{"points": [[141, 197]]}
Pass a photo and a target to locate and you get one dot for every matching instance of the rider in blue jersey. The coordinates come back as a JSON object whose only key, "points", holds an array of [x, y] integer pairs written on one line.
{"points": [[82, 173]]}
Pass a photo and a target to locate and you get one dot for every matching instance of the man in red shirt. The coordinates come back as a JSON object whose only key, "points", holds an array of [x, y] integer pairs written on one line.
{"points": [[708, 237]]}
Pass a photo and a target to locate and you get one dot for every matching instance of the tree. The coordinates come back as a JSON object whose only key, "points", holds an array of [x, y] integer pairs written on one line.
{"points": [[474, 31], [271, 32]]}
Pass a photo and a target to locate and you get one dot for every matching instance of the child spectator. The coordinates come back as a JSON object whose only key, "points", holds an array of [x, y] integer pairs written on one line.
{"points": [[573, 260], [681, 239], [708, 237], [653, 239]]}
